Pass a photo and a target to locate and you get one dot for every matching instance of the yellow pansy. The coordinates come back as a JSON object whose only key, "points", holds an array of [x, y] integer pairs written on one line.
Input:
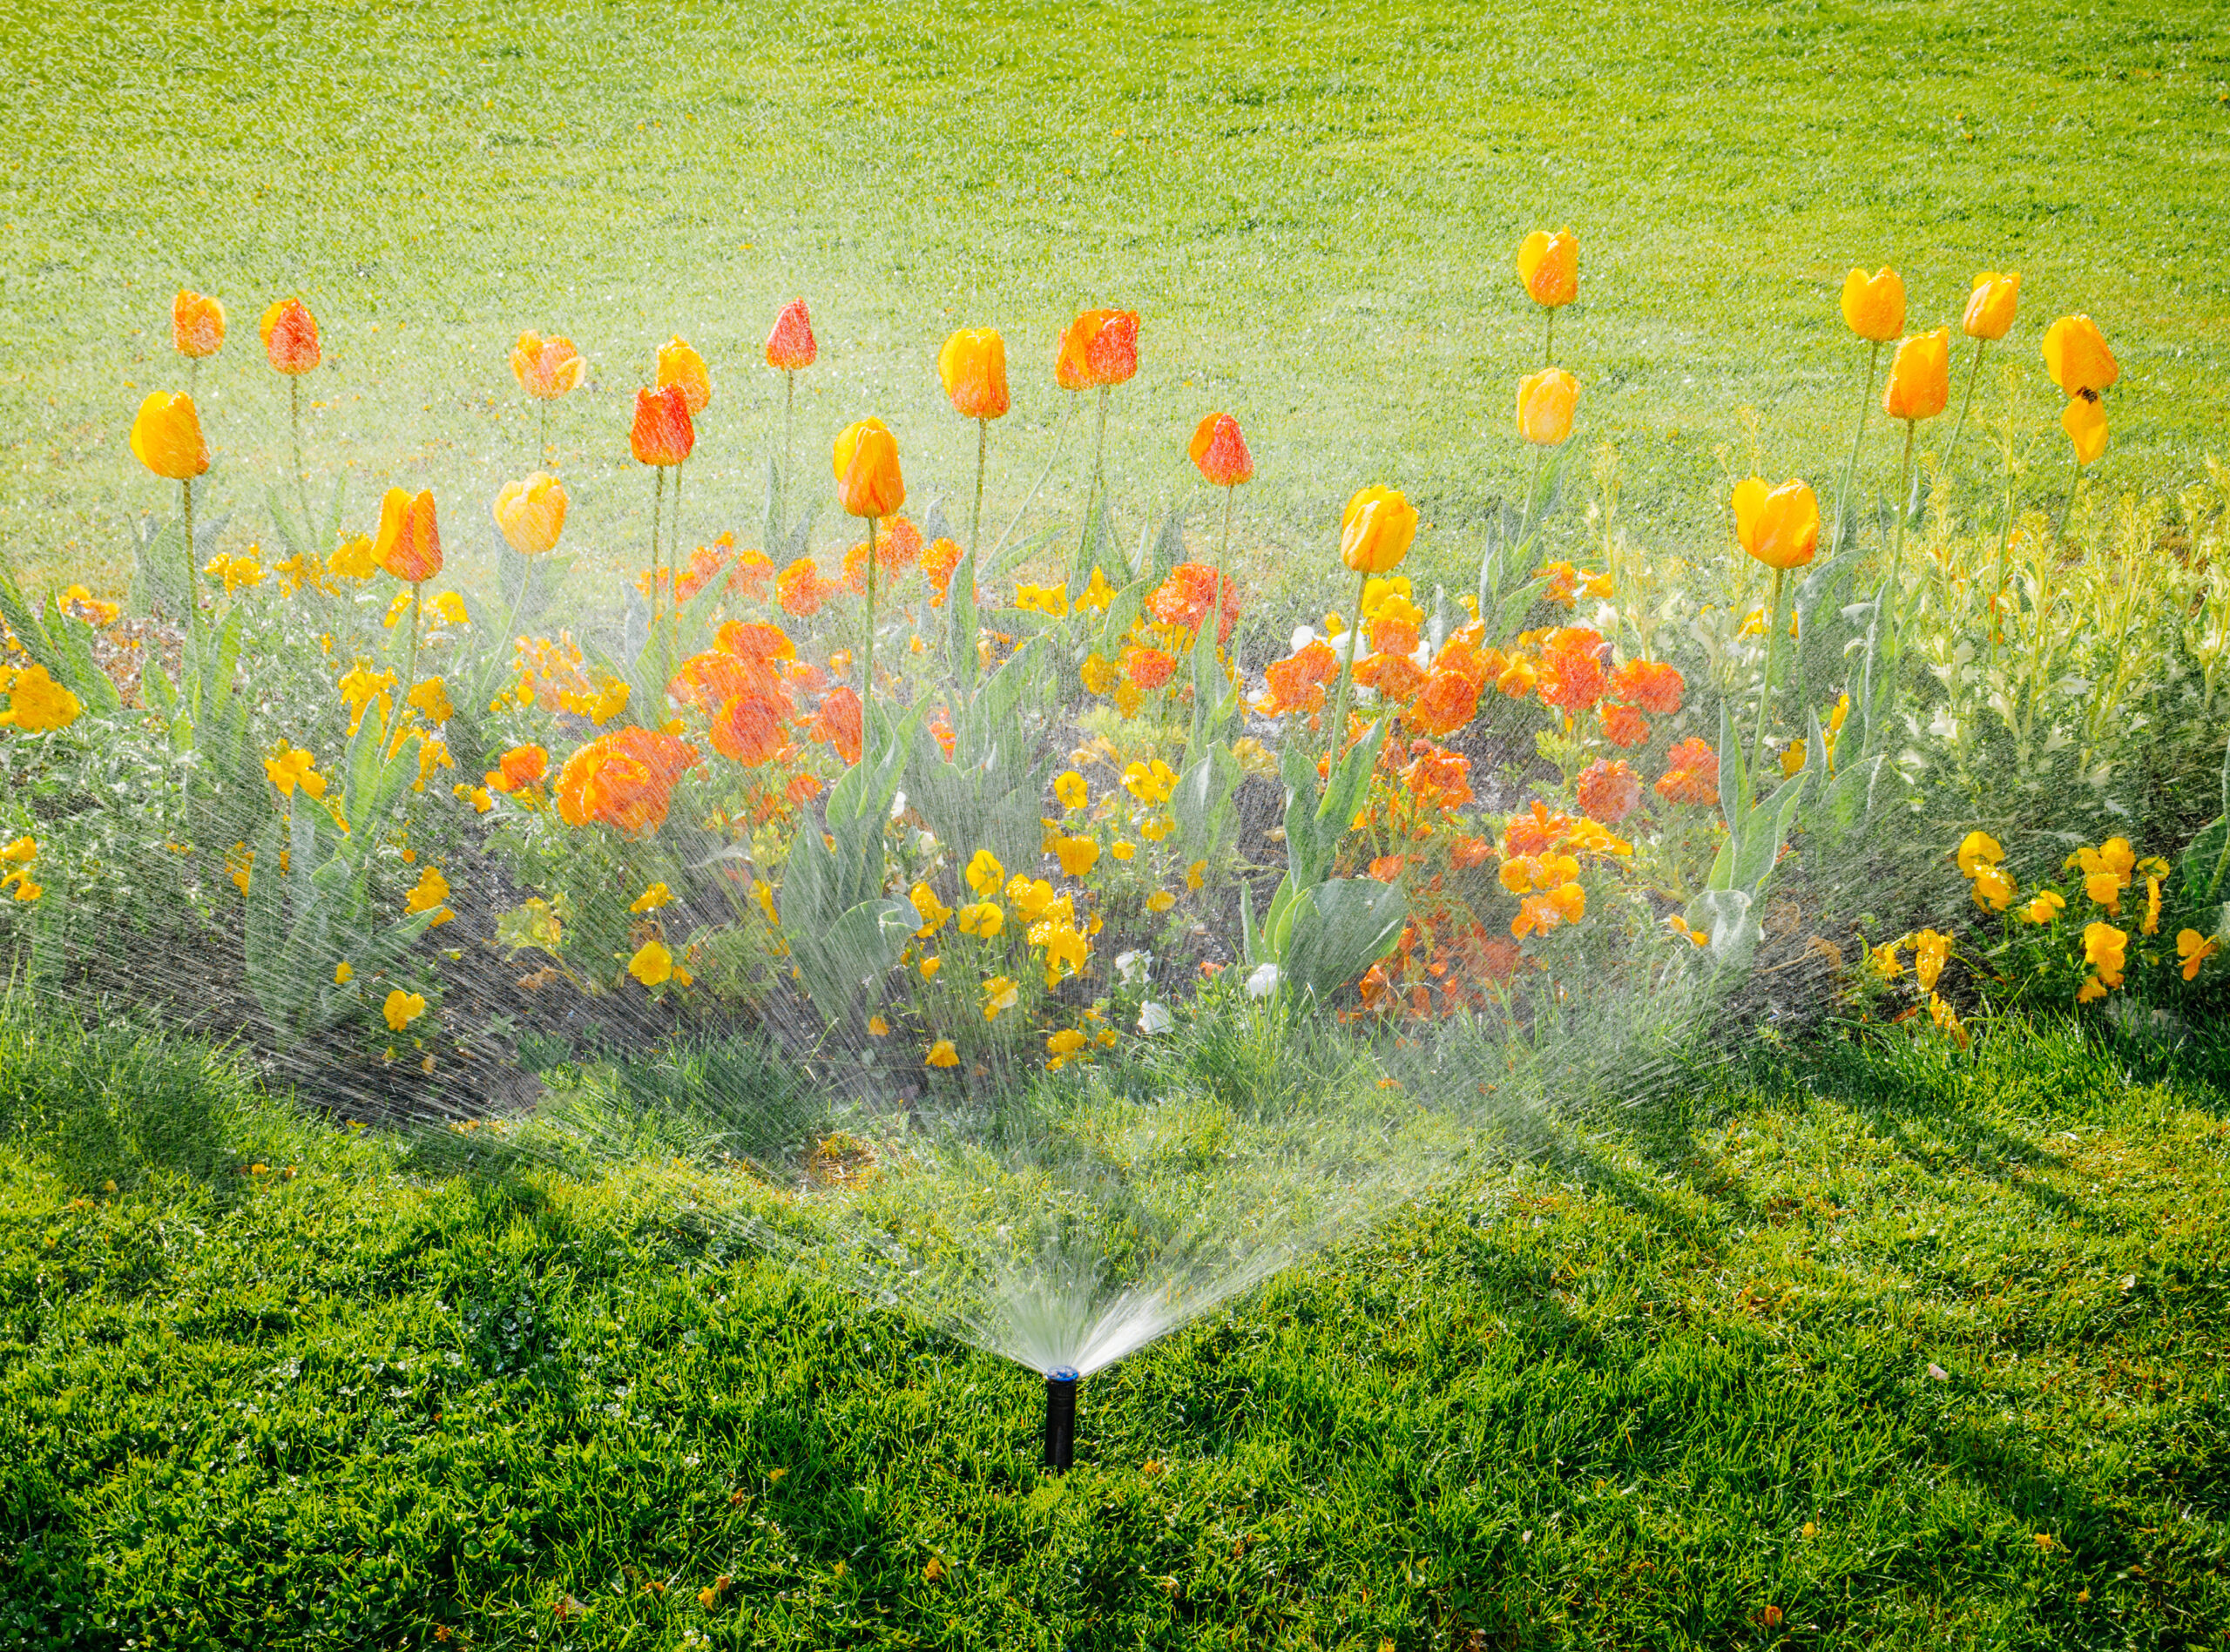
{"points": [[1077, 855], [400, 1008], [1067, 1042], [652, 964], [941, 1054], [2044, 908], [1069, 787], [651, 898], [984, 873], [1000, 992], [1160, 900], [932, 911]]}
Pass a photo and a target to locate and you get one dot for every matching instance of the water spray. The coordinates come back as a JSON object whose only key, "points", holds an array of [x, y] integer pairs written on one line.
{"points": [[1060, 1418]]}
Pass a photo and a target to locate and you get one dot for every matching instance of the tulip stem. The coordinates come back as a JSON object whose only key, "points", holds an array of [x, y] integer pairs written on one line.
{"points": [[866, 651], [976, 519], [657, 506], [789, 446], [1898, 539], [673, 563], [192, 607], [193, 376], [1850, 465], [410, 669], [1548, 339], [1532, 492], [2074, 483], [1765, 686], [1347, 677], [1099, 489], [1966, 402], [542, 455], [301, 476], [1223, 552]]}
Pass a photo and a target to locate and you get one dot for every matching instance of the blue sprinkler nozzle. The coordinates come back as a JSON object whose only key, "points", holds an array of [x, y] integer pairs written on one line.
{"points": [[1060, 1418]]}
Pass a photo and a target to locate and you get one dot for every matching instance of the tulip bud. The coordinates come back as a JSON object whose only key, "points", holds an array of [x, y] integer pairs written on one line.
{"points": [[1874, 305], [973, 365], [1376, 531], [867, 483], [681, 368], [409, 543], [167, 436], [1100, 346], [2077, 357], [790, 346], [1990, 307], [1548, 266], [1545, 407], [546, 368], [290, 336], [663, 434], [2084, 420], [197, 324], [1920, 376], [531, 513], [1220, 451], [1780, 528]]}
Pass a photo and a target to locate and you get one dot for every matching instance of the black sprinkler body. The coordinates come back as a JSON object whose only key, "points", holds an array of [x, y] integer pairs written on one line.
{"points": [[1060, 1418]]}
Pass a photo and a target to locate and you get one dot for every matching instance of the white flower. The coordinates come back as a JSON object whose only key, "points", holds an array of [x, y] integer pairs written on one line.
{"points": [[1130, 967], [1154, 1018], [1263, 982]]}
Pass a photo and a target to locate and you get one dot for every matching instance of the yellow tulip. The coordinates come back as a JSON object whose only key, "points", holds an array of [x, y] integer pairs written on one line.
{"points": [[2077, 357], [680, 365], [1990, 306], [1548, 266], [167, 436], [531, 514], [1874, 305], [1780, 526], [867, 481], [2084, 420], [1546, 402], [1920, 377], [1376, 531]]}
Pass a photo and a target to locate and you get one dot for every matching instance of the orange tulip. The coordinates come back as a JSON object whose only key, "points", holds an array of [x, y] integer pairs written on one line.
{"points": [[1544, 405], [1377, 531], [1548, 266], [790, 346], [1990, 307], [867, 483], [973, 365], [662, 434], [167, 437], [1220, 451], [290, 336], [531, 514], [681, 368], [1780, 528], [2077, 357], [1874, 305], [1920, 376], [1100, 346], [2084, 420], [409, 543], [197, 324], [546, 368]]}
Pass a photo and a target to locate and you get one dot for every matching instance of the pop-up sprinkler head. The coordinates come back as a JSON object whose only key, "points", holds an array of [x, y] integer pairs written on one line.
{"points": [[1060, 1418]]}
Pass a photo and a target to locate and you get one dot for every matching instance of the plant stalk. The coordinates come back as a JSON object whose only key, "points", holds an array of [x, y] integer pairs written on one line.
{"points": [[1850, 465], [1766, 685], [976, 517], [2074, 484], [1898, 539], [1532, 491], [866, 651], [789, 448], [1965, 403], [192, 597], [1549, 339], [657, 506], [1347, 677]]}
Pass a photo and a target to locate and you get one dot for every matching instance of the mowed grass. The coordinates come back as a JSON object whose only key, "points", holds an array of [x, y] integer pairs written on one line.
{"points": [[1873, 1346], [1314, 208]]}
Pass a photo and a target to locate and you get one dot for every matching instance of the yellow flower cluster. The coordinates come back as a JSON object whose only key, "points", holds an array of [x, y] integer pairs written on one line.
{"points": [[18, 857], [36, 703]]}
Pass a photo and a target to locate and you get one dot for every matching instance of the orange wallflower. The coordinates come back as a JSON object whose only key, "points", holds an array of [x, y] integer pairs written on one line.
{"points": [[1296, 682], [1098, 348], [838, 723], [1448, 701], [1396, 676], [754, 639], [1609, 789], [521, 766], [1652, 685], [748, 730], [1624, 725], [1571, 668], [1148, 668], [1691, 775], [801, 589], [709, 679], [290, 336], [624, 779], [1184, 598], [790, 346], [938, 560]]}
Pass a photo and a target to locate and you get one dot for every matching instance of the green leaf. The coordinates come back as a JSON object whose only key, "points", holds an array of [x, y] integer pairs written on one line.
{"points": [[1339, 929]]}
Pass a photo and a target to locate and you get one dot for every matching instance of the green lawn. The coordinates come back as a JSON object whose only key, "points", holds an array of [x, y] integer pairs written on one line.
{"points": [[1315, 209], [1677, 1369]]}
